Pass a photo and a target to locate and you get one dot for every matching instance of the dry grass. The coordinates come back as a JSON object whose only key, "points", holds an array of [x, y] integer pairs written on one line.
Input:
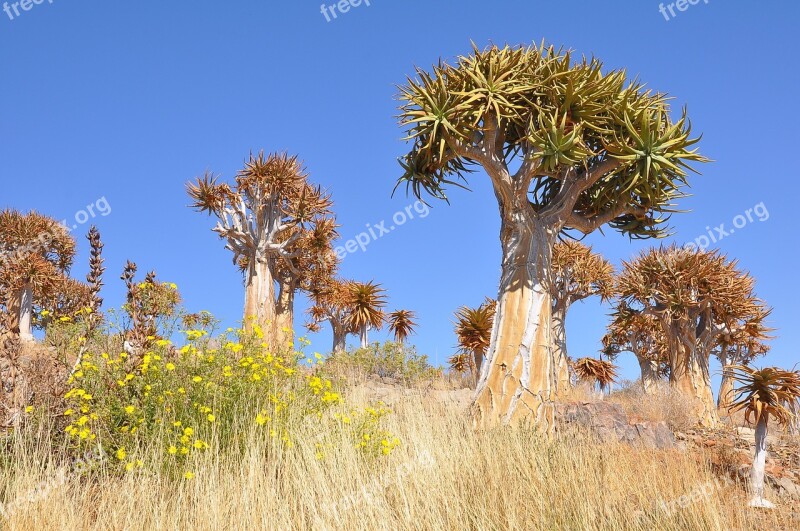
{"points": [[443, 477], [664, 404]]}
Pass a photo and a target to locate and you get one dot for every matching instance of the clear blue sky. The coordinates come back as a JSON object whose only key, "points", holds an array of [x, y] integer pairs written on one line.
{"points": [[129, 100]]}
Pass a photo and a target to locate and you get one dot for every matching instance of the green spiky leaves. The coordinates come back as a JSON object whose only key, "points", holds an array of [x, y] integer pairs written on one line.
{"points": [[556, 117]]}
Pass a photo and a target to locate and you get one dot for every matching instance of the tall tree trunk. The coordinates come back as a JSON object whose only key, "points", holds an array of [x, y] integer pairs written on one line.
{"points": [[689, 374], [259, 300], [759, 463], [26, 314], [518, 378], [650, 379], [794, 423], [364, 338], [725, 397], [560, 346], [477, 362], [339, 336], [284, 318]]}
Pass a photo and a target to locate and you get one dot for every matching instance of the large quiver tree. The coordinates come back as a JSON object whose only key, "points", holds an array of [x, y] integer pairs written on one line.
{"points": [[641, 334], [36, 253], [566, 146], [697, 297], [261, 216], [578, 273]]}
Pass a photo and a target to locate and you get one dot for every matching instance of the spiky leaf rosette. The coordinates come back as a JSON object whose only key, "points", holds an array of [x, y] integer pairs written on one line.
{"points": [[765, 392], [591, 147], [330, 298], [261, 214], [365, 301], [578, 273], [474, 327], [310, 259], [461, 362], [637, 332], [700, 291], [401, 324], [594, 370], [35, 250]]}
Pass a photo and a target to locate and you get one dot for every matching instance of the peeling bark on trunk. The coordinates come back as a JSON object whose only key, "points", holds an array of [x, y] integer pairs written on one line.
{"points": [[26, 314], [650, 379], [725, 398], [759, 463], [560, 346], [518, 378], [689, 374], [284, 318], [339, 336], [259, 300]]}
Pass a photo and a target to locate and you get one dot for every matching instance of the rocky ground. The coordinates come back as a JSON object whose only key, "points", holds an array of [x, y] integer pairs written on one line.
{"points": [[728, 449]]}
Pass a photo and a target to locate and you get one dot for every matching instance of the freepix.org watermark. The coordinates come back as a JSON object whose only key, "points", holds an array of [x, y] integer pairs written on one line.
{"points": [[101, 207], [379, 230], [716, 234], [669, 10], [332, 12], [15, 9]]}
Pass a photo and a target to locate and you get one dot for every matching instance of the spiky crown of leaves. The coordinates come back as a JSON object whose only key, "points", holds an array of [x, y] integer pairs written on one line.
{"points": [[683, 284], [561, 114], [594, 370], [765, 392], [34, 249], [474, 326], [579, 272]]}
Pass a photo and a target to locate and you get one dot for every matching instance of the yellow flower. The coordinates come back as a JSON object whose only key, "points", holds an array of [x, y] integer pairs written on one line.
{"points": [[197, 379], [163, 342], [173, 285], [189, 475], [128, 467], [29, 409], [211, 417], [262, 419], [129, 409], [188, 431], [177, 423], [172, 450], [170, 366], [121, 453]]}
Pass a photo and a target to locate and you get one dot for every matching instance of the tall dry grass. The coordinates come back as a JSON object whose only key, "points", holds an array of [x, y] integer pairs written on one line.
{"points": [[444, 476]]}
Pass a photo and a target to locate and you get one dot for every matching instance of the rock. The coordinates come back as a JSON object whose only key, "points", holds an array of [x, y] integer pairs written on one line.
{"points": [[609, 423], [785, 487]]}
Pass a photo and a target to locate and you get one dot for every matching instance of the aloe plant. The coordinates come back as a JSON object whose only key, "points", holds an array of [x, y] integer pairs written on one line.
{"points": [[764, 394], [568, 148]]}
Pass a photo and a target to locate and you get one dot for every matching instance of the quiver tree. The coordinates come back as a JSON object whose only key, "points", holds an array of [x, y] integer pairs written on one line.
{"points": [[596, 372], [697, 297], [640, 334], [764, 394], [578, 273], [474, 333], [401, 324], [740, 348], [36, 253], [308, 263], [365, 302], [567, 147], [329, 304], [261, 216]]}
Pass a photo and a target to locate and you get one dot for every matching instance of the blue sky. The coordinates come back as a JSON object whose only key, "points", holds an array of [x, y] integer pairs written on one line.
{"points": [[128, 100]]}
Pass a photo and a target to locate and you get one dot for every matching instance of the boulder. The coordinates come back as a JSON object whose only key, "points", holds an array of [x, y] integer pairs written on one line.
{"points": [[609, 423]]}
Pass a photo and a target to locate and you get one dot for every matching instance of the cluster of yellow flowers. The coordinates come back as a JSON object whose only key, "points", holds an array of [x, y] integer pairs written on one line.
{"points": [[188, 400]]}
